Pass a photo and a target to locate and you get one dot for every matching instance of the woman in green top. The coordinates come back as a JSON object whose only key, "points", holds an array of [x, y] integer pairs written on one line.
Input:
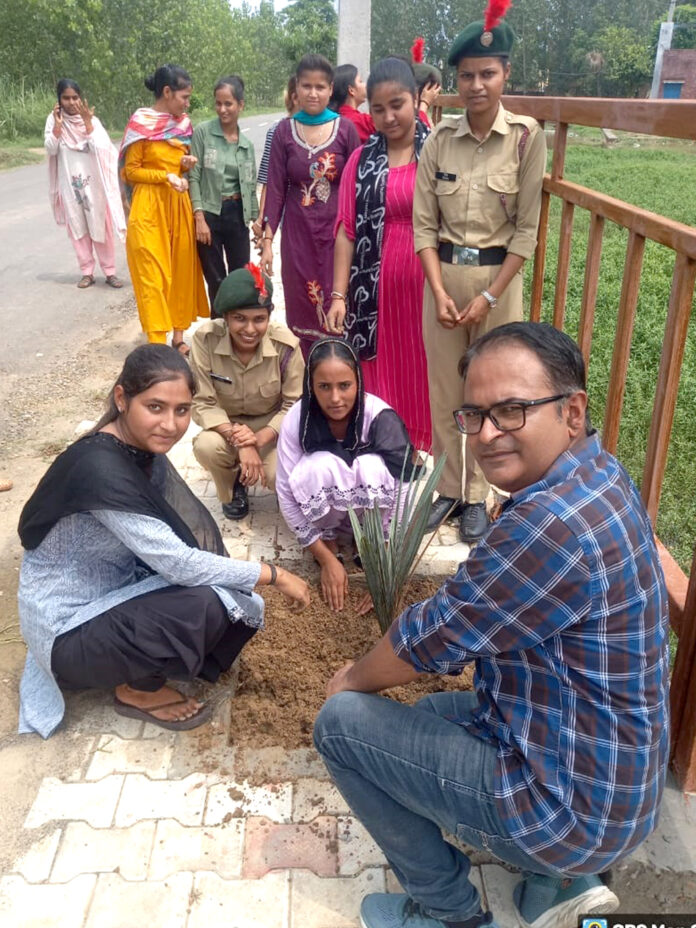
{"points": [[223, 187]]}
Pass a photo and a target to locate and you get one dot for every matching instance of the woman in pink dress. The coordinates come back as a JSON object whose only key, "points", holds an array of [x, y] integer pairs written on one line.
{"points": [[378, 281]]}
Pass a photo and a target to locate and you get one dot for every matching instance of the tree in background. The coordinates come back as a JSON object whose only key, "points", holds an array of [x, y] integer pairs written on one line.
{"points": [[309, 26]]}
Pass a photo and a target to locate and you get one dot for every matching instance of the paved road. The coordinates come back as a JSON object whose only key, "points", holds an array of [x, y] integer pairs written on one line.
{"points": [[43, 317]]}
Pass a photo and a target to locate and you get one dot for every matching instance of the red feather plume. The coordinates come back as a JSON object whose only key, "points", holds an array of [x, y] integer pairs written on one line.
{"points": [[259, 282], [495, 11], [417, 50]]}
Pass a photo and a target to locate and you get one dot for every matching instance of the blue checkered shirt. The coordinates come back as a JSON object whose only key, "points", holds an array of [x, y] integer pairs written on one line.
{"points": [[563, 608]]}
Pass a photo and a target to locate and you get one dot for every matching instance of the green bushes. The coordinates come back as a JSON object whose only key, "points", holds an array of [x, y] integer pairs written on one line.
{"points": [[23, 112]]}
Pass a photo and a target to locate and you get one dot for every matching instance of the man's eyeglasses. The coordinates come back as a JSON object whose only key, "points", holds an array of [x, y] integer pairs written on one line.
{"points": [[506, 417]]}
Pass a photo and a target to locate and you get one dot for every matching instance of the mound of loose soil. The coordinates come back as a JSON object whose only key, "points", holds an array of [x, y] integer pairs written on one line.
{"points": [[284, 669]]}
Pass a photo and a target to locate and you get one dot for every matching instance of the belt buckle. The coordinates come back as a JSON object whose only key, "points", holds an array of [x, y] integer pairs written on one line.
{"points": [[463, 256]]}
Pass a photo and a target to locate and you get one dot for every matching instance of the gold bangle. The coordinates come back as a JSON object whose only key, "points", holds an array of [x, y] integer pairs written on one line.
{"points": [[338, 296]]}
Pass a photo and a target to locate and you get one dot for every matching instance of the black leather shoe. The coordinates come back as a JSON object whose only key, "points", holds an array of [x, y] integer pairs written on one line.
{"points": [[443, 508], [473, 522], [238, 508]]}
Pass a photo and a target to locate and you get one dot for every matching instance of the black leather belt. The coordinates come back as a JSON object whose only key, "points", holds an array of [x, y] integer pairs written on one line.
{"points": [[461, 255], [234, 196]]}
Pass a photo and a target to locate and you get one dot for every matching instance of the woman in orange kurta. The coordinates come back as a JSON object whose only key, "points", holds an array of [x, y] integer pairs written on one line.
{"points": [[161, 239]]}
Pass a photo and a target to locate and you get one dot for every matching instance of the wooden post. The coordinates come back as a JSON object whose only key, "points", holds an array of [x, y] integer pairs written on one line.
{"points": [[683, 694], [676, 329], [589, 290], [564, 244], [540, 259], [622, 344]]}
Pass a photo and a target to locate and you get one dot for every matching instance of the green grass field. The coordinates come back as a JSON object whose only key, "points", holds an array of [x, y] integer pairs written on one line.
{"points": [[659, 178]]}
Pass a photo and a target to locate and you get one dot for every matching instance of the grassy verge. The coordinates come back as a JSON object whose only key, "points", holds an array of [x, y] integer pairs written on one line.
{"points": [[17, 157], [656, 179]]}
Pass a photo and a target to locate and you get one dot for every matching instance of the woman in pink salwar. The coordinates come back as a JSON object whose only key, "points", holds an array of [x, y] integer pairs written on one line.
{"points": [[83, 183]]}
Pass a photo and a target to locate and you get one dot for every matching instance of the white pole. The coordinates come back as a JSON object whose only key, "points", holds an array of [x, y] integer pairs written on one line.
{"points": [[354, 34], [663, 44]]}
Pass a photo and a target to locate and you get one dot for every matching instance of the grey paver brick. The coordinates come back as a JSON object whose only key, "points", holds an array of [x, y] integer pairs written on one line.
{"points": [[230, 798], [356, 849], [498, 884], [240, 903], [313, 797], [116, 755], [120, 904], [104, 850], [35, 863], [26, 905], [217, 848], [90, 802], [321, 902], [143, 798]]}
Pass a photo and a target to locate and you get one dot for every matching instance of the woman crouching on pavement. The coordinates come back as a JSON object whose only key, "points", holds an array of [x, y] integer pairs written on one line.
{"points": [[125, 580], [339, 448], [249, 373]]}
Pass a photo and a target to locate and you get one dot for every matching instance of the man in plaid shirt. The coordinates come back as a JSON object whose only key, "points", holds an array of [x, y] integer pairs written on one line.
{"points": [[556, 763]]}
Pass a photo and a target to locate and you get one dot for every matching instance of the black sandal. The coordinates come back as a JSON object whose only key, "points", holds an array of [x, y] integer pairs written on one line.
{"points": [[182, 348]]}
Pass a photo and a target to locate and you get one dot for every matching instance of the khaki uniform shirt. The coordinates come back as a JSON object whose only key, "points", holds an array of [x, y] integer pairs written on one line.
{"points": [[268, 386], [481, 194]]}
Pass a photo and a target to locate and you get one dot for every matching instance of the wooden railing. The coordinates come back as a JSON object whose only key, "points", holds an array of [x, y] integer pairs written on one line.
{"points": [[673, 119]]}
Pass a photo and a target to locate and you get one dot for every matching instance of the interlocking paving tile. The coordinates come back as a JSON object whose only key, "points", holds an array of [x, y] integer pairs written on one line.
{"points": [[90, 802], [28, 905], [114, 755], [120, 904], [217, 848], [318, 902], [35, 863], [356, 849], [229, 800], [269, 846], [104, 850], [276, 764], [498, 884], [143, 798], [312, 797], [240, 903]]}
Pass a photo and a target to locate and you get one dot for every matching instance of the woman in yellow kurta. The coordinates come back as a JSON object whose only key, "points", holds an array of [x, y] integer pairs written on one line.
{"points": [[161, 239]]}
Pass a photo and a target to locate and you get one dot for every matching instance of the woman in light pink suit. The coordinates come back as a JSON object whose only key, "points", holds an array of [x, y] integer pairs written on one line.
{"points": [[83, 183]]}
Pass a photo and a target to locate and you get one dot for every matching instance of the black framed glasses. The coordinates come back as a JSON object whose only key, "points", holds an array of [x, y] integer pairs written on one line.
{"points": [[506, 417]]}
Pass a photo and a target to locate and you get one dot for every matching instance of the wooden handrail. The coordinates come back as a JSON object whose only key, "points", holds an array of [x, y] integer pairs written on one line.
{"points": [[675, 235], [674, 119]]}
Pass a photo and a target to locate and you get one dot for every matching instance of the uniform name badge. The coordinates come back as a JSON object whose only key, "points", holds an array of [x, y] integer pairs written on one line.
{"points": [[443, 175]]}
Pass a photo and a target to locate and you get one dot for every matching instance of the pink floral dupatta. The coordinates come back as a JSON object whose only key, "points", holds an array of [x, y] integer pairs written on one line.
{"points": [[74, 136], [148, 124]]}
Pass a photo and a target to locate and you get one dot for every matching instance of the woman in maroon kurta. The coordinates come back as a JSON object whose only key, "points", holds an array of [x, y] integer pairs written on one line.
{"points": [[376, 269], [308, 154]]}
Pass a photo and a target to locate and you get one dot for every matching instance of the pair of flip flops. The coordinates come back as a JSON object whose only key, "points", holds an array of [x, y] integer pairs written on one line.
{"points": [[203, 715], [87, 280]]}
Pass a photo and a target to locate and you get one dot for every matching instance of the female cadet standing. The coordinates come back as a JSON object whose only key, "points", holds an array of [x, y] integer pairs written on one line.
{"points": [[475, 216]]}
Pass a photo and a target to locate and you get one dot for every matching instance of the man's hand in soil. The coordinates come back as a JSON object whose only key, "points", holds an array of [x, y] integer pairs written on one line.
{"points": [[379, 669], [339, 682]]}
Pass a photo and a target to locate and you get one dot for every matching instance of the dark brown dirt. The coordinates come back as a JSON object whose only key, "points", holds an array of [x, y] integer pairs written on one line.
{"points": [[285, 669]]}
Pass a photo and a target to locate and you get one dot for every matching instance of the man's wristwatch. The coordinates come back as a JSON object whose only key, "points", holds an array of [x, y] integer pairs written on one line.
{"points": [[492, 300]]}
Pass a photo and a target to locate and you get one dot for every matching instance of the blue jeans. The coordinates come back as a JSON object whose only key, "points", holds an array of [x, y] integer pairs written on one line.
{"points": [[407, 772]]}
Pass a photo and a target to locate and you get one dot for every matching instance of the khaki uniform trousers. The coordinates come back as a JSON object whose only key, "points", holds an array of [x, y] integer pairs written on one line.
{"points": [[444, 348], [222, 461]]}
